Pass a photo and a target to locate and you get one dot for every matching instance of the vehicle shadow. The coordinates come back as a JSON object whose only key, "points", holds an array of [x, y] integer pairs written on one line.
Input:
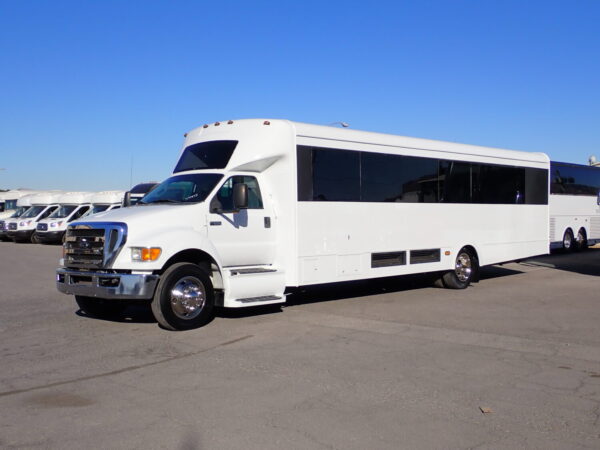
{"points": [[586, 262], [355, 289], [136, 312]]}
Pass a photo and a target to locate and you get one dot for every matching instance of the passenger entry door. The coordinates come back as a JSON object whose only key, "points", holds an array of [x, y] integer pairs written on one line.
{"points": [[245, 237]]}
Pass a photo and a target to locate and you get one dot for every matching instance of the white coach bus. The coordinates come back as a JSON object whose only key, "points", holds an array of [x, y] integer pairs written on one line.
{"points": [[255, 207], [574, 206]]}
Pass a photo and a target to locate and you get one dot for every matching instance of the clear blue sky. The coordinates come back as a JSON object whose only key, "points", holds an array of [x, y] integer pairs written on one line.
{"points": [[88, 86]]}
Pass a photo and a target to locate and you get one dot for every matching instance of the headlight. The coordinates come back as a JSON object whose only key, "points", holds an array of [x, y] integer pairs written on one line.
{"points": [[55, 224], [145, 253], [24, 223]]}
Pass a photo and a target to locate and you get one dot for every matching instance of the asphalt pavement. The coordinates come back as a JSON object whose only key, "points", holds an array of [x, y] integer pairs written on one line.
{"points": [[511, 362]]}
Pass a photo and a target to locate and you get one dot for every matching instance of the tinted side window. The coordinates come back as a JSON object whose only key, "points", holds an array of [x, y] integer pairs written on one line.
{"points": [[536, 186], [206, 155], [455, 182], [395, 178], [225, 193], [498, 184], [574, 180], [336, 175]]}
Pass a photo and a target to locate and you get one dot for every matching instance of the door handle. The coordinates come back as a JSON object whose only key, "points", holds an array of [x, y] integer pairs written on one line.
{"points": [[215, 224]]}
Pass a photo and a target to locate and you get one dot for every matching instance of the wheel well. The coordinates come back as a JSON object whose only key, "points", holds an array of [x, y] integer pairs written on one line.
{"points": [[582, 229], [569, 230], [473, 251], [200, 258]]}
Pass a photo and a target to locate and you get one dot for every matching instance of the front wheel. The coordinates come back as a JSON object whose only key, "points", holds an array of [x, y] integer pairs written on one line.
{"points": [[100, 308], [465, 268], [184, 298]]}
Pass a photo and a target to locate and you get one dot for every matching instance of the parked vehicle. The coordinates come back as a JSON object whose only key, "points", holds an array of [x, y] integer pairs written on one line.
{"points": [[106, 201], [257, 207], [136, 193], [22, 229], [22, 205], [72, 206], [574, 206], [8, 200]]}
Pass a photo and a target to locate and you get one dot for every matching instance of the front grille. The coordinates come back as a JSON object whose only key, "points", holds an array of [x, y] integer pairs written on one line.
{"points": [[42, 227], [86, 245], [12, 226]]}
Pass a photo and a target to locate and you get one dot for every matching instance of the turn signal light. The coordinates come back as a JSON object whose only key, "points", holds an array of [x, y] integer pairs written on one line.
{"points": [[145, 253]]}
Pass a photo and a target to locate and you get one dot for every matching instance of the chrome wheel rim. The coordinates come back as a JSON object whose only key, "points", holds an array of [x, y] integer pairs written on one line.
{"points": [[567, 240], [463, 267], [188, 298]]}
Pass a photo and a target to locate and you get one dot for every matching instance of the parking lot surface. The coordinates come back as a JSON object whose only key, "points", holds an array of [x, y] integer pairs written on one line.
{"points": [[510, 362]]}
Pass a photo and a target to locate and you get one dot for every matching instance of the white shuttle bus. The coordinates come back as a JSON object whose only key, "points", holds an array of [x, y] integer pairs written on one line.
{"points": [[72, 206], [22, 229], [22, 205], [256, 207], [105, 201], [574, 206]]}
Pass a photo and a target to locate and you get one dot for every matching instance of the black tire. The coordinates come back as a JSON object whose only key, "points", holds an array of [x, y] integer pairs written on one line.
{"points": [[581, 240], [100, 308], [34, 238], [189, 306], [568, 241], [466, 267]]}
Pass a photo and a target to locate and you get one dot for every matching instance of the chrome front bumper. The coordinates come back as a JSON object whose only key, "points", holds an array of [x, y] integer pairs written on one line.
{"points": [[106, 285]]}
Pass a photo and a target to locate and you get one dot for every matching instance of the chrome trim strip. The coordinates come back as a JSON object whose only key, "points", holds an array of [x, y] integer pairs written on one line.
{"points": [[129, 286]]}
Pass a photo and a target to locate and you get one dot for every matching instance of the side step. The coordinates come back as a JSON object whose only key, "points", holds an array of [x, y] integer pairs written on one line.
{"points": [[253, 286], [264, 300]]}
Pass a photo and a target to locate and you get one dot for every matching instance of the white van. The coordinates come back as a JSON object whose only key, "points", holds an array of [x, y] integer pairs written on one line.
{"points": [[8, 201], [42, 205], [106, 201], [22, 205], [255, 208], [72, 206]]}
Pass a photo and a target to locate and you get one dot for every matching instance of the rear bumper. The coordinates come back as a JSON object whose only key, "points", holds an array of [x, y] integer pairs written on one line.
{"points": [[106, 285]]}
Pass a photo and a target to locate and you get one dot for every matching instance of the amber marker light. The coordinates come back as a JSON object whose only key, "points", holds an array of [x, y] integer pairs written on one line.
{"points": [[145, 253], [447, 253]]}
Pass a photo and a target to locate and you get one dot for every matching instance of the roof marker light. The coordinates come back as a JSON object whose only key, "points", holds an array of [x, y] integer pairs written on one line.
{"points": [[229, 122], [205, 126], [266, 122], [217, 124], [184, 134]]}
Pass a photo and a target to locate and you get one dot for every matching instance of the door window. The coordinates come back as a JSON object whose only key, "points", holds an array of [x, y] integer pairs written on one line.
{"points": [[225, 193]]}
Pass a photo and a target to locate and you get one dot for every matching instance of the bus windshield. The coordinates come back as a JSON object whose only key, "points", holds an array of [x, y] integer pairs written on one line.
{"points": [[190, 188], [33, 212], [62, 212]]}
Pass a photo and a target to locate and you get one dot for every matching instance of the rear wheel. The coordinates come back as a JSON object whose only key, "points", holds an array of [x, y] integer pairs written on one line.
{"points": [[99, 307], [581, 240], [567, 242], [465, 268], [184, 298], [34, 238]]}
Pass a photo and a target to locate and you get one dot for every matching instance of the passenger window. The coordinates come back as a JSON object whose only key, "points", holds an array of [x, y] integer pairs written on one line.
{"points": [[80, 212], [225, 194], [47, 212]]}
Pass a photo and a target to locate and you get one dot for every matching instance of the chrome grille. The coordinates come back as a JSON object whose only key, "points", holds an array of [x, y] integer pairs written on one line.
{"points": [[42, 227], [93, 245], [12, 226]]}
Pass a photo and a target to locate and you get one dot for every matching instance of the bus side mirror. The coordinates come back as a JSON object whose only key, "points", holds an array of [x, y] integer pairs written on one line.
{"points": [[240, 196], [127, 199]]}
